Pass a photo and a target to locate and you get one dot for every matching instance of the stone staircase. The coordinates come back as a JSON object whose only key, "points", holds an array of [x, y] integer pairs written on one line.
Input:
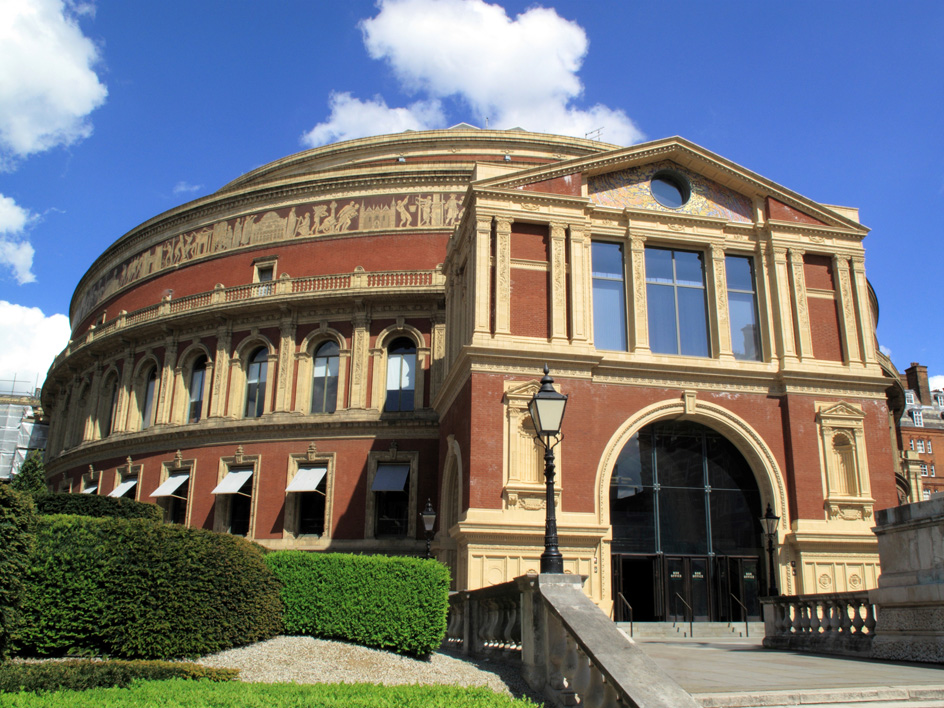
{"points": [[878, 697], [698, 630]]}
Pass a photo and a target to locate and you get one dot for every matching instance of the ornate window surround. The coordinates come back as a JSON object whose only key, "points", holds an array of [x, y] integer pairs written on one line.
{"points": [[311, 457], [379, 359], [391, 455], [845, 423], [176, 466], [523, 474], [305, 357], [221, 507], [128, 471]]}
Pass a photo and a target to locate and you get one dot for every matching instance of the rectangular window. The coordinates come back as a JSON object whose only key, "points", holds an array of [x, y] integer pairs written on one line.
{"points": [[172, 496], [919, 446], [926, 494], [308, 485], [924, 470], [932, 471], [391, 499], [125, 489], [677, 301], [237, 486], [929, 446], [609, 296], [742, 308], [918, 418], [911, 443], [909, 397]]}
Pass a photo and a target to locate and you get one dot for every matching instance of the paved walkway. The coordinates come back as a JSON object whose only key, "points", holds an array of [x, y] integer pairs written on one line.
{"points": [[713, 665]]}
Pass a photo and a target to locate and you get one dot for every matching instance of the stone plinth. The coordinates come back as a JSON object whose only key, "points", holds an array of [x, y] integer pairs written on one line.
{"points": [[910, 593]]}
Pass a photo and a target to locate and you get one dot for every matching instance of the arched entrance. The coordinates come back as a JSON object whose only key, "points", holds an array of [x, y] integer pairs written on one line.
{"points": [[687, 543]]}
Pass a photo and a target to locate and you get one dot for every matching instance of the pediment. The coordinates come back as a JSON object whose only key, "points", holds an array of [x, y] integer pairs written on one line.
{"points": [[522, 391], [721, 189], [841, 410]]}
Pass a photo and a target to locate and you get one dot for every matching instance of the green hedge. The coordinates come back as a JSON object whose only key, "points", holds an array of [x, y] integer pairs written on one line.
{"points": [[393, 603], [16, 542], [94, 505], [134, 589], [234, 694], [82, 674]]}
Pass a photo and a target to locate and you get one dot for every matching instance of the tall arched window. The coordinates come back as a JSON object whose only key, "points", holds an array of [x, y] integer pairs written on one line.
{"points": [[324, 386], [197, 377], [256, 383], [107, 422], [147, 408], [401, 375]]}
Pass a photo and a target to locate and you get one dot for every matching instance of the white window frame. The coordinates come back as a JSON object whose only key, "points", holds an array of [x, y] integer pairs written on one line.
{"points": [[909, 398], [919, 445], [918, 417]]}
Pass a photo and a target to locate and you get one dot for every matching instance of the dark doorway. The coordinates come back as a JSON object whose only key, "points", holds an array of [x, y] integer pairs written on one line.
{"points": [[685, 510]]}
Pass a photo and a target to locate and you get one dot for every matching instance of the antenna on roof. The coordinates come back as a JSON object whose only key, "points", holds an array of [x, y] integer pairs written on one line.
{"points": [[486, 122], [594, 134]]}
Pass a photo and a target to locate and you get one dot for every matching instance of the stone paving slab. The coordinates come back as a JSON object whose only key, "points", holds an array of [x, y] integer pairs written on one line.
{"points": [[743, 665]]}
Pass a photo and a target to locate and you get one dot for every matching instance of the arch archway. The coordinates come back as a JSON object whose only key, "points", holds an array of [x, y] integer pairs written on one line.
{"points": [[682, 485]]}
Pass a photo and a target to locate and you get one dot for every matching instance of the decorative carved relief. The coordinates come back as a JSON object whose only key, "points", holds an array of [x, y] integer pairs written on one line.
{"points": [[844, 462]]}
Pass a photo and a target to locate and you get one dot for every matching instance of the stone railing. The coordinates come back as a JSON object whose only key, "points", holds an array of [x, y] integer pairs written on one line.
{"points": [[284, 287], [833, 623], [567, 647]]}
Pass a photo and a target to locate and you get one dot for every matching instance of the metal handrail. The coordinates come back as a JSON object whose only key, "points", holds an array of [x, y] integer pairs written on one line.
{"points": [[747, 632], [691, 616], [619, 596]]}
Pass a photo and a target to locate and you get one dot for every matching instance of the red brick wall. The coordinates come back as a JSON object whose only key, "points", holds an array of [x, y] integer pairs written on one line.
{"points": [[529, 303], [568, 184], [824, 329], [782, 212], [818, 272], [457, 421]]}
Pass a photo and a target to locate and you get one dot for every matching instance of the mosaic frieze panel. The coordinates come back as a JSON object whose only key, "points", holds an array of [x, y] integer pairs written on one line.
{"points": [[630, 188], [303, 221]]}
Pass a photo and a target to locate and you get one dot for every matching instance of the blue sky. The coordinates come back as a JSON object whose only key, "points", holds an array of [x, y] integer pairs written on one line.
{"points": [[112, 112]]}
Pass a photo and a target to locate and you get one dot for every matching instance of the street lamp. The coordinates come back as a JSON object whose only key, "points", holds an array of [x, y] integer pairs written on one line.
{"points": [[429, 518], [769, 521], [547, 412]]}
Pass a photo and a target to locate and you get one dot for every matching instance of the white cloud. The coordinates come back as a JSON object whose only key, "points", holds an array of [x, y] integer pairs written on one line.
{"points": [[15, 251], [885, 350], [353, 118], [515, 72], [29, 341], [936, 382], [47, 83], [186, 188]]}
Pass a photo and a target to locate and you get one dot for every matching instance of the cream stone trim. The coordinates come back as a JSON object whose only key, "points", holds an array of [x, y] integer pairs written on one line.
{"points": [[311, 457], [480, 261], [800, 302], [127, 471], [360, 356], [107, 404], [581, 288], [286, 369], [184, 370], [557, 296], [305, 358], [239, 365], [92, 478], [221, 507], [135, 419], [844, 465], [503, 276], [379, 359], [719, 320], [637, 306], [178, 465], [738, 431], [221, 371], [394, 456]]}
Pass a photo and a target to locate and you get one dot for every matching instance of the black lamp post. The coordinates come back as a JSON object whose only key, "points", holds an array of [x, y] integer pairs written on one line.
{"points": [[547, 412], [429, 518], [770, 521]]}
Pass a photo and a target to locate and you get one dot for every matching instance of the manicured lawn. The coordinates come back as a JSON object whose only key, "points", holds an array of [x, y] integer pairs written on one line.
{"points": [[205, 694]]}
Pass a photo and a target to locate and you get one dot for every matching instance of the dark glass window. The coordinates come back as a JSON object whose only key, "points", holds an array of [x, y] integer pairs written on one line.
{"points": [[324, 387], [681, 488], [677, 302], [147, 410], [256, 383], [391, 499], [108, 422], [240, 507], [401, 375], [177, 504], [742, 307], [670, 189], [609, 296], [197, 376]]}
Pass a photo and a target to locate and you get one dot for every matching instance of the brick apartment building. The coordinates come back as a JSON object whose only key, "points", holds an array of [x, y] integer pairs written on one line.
{"points": [[921, 430]]}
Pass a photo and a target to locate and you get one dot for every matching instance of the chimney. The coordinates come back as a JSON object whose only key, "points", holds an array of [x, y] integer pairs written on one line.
{"points": [[917, 376]]}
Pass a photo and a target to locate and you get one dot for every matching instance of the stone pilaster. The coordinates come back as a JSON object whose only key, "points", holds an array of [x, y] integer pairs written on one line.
{"points": [[580, 295], [640, 323], [480, 260], [165, 395], [286, 361], [558, 294], [782, 300], [360, 357], [503, 276], [847, 318], [801, 304], [718, 284], [224, 336]]}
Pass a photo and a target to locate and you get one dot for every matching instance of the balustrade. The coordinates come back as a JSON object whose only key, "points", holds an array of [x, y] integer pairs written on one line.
{"points": [[834, 623]]}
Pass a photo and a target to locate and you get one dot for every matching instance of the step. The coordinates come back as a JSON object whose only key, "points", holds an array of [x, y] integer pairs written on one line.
{"points": [[870, 697], [697, 630]]}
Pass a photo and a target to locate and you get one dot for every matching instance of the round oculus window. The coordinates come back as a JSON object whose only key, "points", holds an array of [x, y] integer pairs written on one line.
{"points": [[670, 189]]}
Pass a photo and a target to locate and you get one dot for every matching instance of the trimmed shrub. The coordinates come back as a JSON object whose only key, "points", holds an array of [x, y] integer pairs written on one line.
{"points": [[392, 603], [31, 477], [94, 505], [134, 589], [16, 541], [235, 694], [82, 674]]}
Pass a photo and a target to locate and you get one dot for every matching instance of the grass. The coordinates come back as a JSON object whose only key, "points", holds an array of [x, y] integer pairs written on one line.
{"points": [[178, 693]]}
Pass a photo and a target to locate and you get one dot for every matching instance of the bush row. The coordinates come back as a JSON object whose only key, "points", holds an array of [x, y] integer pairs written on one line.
{"points": [[16, 541], [82, 674], [133, 589], [147, 694], [392, 603], [94, 505]]}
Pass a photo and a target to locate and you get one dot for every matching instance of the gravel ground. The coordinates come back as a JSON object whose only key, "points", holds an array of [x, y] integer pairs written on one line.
{"points": [[310, 660]]}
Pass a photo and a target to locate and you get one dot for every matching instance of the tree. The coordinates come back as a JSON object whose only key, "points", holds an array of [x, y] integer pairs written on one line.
{"points": [[31, 477]]}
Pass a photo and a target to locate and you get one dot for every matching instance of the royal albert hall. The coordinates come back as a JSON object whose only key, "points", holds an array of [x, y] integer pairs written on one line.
{"points": [[309, 354]]}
